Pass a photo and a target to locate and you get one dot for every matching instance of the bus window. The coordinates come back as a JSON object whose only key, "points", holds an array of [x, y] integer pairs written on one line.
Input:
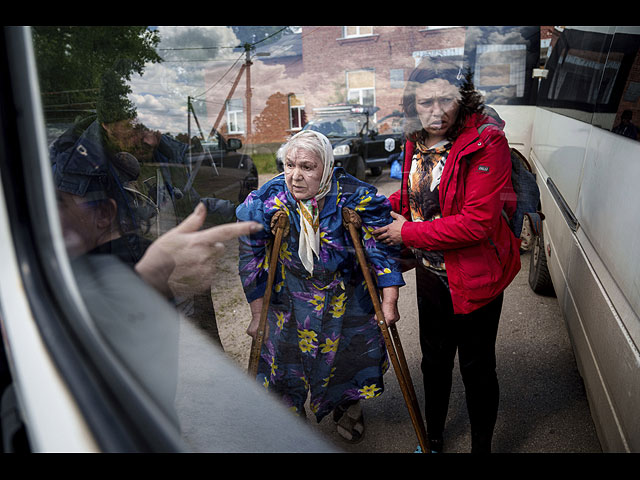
{"points": [[96, 178], [617, 109], [575, 68], [587, 75], [591, 77]]}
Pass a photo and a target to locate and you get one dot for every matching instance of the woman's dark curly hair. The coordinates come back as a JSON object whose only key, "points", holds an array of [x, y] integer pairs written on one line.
{"points": [[430, 69]]}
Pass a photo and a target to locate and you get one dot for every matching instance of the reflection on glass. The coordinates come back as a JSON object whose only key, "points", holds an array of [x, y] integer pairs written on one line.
{"points": [[593, 76], [626, 126], [146, 123]]}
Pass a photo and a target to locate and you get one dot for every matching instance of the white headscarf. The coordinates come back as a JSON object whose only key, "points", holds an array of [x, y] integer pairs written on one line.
{"points": [[309, 241]]}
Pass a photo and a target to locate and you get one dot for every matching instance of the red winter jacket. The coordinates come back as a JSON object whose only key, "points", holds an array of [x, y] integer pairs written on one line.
{"points": [[481, 254]]}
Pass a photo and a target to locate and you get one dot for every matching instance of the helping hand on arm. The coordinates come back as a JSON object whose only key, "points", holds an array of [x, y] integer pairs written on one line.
{"points": [[391, 234]]}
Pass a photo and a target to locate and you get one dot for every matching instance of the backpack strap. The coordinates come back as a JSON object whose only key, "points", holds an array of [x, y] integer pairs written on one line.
{"points": [[535, 221]]}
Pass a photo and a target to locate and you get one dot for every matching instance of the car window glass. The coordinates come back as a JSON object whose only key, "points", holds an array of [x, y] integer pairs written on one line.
{"points": [[145, 123]]}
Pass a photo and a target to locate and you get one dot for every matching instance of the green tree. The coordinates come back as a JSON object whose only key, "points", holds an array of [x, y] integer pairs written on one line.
{"points": [[84, 69]]}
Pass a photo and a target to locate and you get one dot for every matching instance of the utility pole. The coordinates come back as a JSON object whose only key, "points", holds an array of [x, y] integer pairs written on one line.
{"points": [[248, 63], [246, 67], [189, 128]]}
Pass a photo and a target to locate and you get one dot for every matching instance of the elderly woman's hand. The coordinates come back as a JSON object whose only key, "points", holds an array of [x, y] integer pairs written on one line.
{"points": [[391, 234], [256, 311], [390, 305]]}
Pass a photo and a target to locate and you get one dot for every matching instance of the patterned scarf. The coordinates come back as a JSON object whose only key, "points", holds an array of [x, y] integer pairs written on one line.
{"points": [[424, 203]]}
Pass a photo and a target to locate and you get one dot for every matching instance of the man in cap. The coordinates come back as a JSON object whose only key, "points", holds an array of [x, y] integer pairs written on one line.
{"points": [[103, 210]]}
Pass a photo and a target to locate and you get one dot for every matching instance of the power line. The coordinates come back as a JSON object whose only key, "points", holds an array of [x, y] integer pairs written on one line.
{"points": [[222, 77], [191, 48], [268, 37], [197, 61], [247, 47]]}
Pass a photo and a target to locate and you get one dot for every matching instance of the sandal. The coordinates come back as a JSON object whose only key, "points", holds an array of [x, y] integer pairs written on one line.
{"points": [[349, 421]]}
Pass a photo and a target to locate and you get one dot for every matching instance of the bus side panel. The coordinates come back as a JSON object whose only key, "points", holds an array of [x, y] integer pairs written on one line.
{"points": [[557, 235], [608, 361], [599, 320], [557, 160], [574, 281], [608, 211], [608, 234], [518, 124], [560, 142]]}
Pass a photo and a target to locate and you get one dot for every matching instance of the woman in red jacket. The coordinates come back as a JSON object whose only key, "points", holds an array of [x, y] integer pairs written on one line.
{"points": [[456, 184]]}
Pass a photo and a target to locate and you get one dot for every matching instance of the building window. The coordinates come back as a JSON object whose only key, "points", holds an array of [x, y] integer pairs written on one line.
{"points": [[235, 116], [357, 31], [297, 116], [396, 78], [361, 87]]}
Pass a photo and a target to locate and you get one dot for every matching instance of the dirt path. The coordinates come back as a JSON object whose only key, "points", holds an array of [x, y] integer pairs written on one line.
{"points": [[232, 309]]}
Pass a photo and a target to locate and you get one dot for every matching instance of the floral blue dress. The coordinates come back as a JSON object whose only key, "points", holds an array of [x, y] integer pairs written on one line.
{"points": [[323, 338]]}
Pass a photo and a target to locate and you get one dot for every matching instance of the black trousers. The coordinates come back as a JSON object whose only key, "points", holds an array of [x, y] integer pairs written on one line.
{"points": [[473, 337]]}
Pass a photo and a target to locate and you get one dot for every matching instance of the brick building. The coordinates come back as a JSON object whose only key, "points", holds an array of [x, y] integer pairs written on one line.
{"points": [[368, 65], [322, 65]]}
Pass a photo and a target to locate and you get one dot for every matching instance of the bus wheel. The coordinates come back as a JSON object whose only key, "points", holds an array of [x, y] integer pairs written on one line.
{"points": [[539, 277]]}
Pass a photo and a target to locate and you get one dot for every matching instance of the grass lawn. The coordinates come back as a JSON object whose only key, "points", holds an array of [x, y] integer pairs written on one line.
{"points": [[265, 162]]}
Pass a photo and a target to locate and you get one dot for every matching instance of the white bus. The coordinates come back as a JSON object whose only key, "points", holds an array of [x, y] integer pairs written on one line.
{"points": [[586, 155], [570, 103]]}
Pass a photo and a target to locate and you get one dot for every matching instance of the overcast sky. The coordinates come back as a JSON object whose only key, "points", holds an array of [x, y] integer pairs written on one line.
{"points": [[160, 94]]}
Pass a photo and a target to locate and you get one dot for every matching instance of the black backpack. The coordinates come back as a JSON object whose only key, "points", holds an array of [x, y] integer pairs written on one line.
{"points": [[527, 193]]}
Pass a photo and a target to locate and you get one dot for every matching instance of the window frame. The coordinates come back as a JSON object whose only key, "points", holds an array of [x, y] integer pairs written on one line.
{"points": [[119, 414], [345, 33], [236, 123], [296, 112], [360, 90]]}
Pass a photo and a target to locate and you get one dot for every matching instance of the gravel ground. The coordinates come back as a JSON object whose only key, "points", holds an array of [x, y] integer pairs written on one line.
{"points": [[232, 309]]}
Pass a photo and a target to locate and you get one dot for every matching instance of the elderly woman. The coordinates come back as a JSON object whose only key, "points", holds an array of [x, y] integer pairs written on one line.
{"points": [[456, 185], [322, 336]]}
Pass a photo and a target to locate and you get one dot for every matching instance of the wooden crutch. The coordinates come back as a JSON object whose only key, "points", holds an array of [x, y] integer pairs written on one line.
{"points": [[352, 222], [279, 225]]}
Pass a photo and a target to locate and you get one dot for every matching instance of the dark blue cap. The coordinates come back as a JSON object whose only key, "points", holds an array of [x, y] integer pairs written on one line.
{"points": [[82, 166]]}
